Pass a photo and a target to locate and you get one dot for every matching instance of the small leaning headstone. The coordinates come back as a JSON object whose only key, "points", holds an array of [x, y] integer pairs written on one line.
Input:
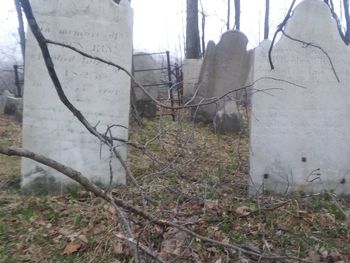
{"points": [[224, 71]]}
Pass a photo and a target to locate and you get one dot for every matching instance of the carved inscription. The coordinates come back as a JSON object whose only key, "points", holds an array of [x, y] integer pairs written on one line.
{"points": [[297, 130], [99, 91]]}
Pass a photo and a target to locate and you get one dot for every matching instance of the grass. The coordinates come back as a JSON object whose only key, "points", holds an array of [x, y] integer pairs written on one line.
{"points": [[10, 135], [193, 176]]}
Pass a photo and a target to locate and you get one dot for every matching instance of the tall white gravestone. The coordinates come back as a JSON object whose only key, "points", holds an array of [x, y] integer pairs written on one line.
{"points": [[300, 136], [101, 28]]}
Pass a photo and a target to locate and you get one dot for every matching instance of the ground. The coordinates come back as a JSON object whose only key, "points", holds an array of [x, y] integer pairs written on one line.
{"points": [[189, 175]]}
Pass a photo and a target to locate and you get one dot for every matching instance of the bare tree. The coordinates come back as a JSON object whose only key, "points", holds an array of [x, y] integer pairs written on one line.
{"points": [[193, 49], [204, 15], [21, 32], [267, 15], [228, 14], [347, 19], [237, 14], [336, 18]]}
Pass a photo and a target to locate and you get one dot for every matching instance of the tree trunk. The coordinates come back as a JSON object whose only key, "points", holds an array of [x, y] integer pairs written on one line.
{"points": [[203, 27], [267, 15], [193, 49], [238, 14], [228, 14], [203, 33], [347, 19], [21, 32]]}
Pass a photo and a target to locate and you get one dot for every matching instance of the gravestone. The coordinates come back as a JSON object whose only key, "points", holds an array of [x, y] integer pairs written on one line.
{"points": [[3, 98], [247, 93], [205, 87], [102, 93], [231, 64], [228, 119], [143, 63], [191, 69], [225, 68], [14, 107], [300, 125]]}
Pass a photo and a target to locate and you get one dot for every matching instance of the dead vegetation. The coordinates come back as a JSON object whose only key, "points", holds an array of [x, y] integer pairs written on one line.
{"points": [[190, 176]]}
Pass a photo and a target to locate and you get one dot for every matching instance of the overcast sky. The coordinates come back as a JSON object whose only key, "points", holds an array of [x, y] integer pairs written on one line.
{"points": [[159, 24]]}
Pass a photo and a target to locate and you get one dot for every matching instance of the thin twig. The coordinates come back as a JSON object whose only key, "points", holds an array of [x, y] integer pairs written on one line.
{"points": [[187, 105], [142, 247], [308, 44], [83, 181], [279, 28]]}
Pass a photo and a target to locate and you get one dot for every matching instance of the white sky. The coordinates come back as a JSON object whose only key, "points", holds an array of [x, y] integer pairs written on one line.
{"points": [[160, 24]]}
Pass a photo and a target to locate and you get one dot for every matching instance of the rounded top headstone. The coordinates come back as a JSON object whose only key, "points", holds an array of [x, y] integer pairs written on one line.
{"points": [[312, 22], [235, 36]]}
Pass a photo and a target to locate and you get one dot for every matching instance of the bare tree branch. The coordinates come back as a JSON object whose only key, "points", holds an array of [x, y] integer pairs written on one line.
{"points": [[142, 247], [266, 22], [279, 29], [83, 181], [306, 44], [335, 16], [21, 33]]}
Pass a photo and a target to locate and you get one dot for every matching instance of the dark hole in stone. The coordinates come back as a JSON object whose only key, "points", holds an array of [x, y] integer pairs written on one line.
{"points": [[303, 159], [343, 181], [266, 176]]}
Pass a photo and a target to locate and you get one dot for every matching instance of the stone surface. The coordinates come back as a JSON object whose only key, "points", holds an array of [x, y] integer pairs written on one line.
{"points": [[191, 69], [228, 119], [144, 61], [14, 107], [149, 79], [247, 93], [3, 98], [231, 64], [207, 74], [225, 68], [100, 92], [146, 108], [300, 136], [205, 87]]}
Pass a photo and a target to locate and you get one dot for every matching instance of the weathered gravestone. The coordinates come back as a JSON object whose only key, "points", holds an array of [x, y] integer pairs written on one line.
{"points": [[231, 64], [300, 135], [100, 92], [14, 106], [205, 89], [3, 98], [191, 69], [143, 64], [225, 68]]}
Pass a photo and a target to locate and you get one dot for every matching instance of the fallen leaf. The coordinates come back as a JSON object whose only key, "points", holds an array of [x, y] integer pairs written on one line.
{"points": [[83, 238], [174, 242], [334, 256], [118, 248], [323, 251], [211, 204], [314, 256], [72, 236], [243, 210], [71, 248], [64, 232]]}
